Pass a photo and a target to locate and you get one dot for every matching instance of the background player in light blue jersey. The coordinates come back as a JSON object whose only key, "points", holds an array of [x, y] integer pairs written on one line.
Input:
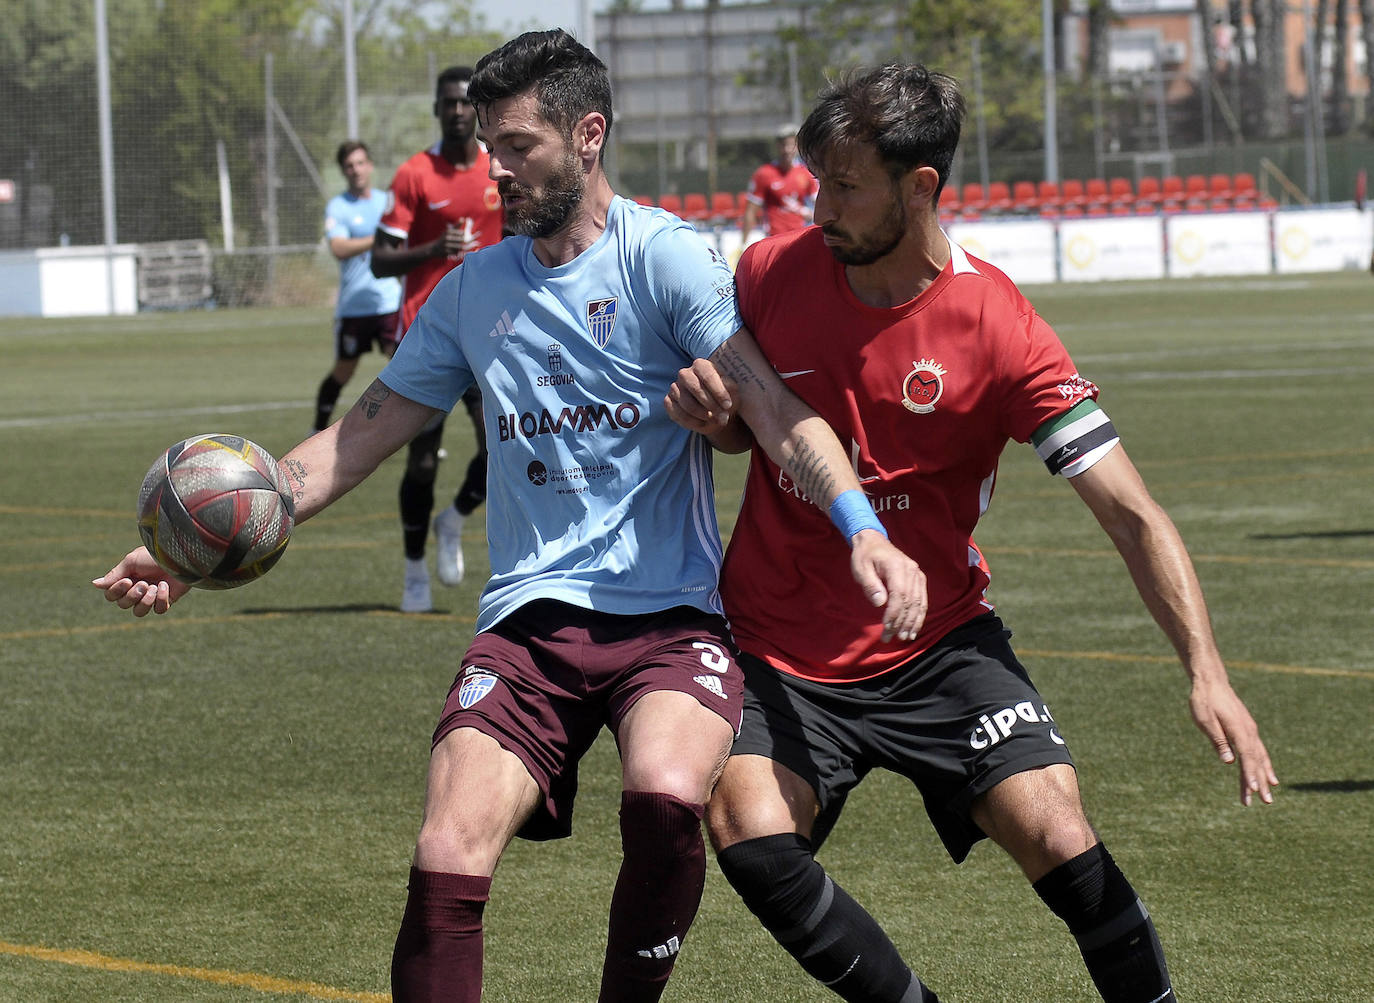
{"points": [[368, 306], [602, 608]]}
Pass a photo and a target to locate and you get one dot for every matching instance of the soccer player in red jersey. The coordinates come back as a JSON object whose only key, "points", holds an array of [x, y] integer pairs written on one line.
{"points": [[925, 361], [443, 206], [781, 190]]}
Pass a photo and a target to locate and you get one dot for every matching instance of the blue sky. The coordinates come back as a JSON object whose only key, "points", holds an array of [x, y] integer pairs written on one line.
{"points": [[509, 15]]}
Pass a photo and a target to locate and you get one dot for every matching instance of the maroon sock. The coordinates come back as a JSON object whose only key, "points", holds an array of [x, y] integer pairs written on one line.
{"points": [[656, 895], [438, 952]]}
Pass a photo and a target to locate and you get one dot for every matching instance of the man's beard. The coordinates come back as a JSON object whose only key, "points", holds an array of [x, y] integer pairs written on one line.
{"points": [[864, 249], [545, 213]]}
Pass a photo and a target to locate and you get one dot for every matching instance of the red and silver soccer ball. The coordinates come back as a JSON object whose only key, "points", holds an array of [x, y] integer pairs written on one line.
{"points": [[216, 511]]}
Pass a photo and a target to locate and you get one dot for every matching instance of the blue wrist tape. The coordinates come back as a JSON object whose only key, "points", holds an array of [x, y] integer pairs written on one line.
{"points": [[851, 512]]}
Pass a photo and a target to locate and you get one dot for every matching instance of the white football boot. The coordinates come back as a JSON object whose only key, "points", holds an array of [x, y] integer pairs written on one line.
{"points": [[415, 598], [448, 527]]}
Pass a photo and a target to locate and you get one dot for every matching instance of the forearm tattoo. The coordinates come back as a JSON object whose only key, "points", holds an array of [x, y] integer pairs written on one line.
{"points": [[732, 364], [810, 472], [372, 399], [295, 473]]}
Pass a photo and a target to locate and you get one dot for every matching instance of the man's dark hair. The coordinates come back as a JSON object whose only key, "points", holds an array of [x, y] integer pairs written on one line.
{"points": [[569, 80], [454, 74], [346, 149], [909, 114]]}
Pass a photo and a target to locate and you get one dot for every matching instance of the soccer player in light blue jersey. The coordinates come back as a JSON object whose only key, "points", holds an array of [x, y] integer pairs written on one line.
{"points": [[602, 609], [367, 308]]}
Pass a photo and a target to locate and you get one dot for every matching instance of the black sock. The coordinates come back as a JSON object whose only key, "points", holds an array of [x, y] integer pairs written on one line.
{"points": [[1114, 933], [417, 501], [325, 400], [832, 937]]}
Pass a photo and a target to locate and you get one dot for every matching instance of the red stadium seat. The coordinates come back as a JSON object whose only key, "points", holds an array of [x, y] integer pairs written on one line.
{"points": [[671, 202], [973, 199], [1120, 194], [1050, 195], [1095, 192], [695, 208], [1148, 193], [949, 206], [999, 196], [1244, 184], [1171, 190], [642, 199], [1219, 186], [1195, 186], [1023, 196], [724, 207], [1072, 193]]}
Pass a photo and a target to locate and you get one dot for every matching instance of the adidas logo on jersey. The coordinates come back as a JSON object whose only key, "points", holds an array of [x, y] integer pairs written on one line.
{"points": [[504, 327], [712, 683], [663, 951]]}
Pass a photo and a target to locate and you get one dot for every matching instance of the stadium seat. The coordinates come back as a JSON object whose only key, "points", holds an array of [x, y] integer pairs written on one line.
{"points": [[973, 199], [725, 207], [1219, 188], [1244, 184], [642, 199], [1171, 190], [1072, 212], [949, 205], [1024, 197], [695, 208], [1095, 193], [1049, 193], [999, 196], [1120, 193], [671, 202], [1148, 193], [1195, 186], [1072, 194]]}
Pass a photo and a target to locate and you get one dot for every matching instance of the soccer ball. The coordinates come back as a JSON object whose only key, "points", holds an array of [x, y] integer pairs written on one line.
{"points": [[215, 511]]}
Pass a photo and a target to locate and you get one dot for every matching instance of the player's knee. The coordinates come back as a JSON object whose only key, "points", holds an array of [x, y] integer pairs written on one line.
{"points": [[456, 849], [422, 465], [773, 875]]}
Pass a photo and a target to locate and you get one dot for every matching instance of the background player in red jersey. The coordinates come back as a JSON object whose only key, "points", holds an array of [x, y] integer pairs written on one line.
{"points": [[443, 206], [928, 360], [780, 191]]}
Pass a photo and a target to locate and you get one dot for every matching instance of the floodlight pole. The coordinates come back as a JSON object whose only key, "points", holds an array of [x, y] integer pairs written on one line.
{"points": [[1051, 98], [107, 195], [350, 73]]}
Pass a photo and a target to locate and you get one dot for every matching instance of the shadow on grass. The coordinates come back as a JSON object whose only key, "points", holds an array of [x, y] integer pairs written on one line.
{"points": [[1333, 786], [318, 610]]}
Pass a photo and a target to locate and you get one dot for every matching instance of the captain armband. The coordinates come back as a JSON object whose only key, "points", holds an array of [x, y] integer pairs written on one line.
{"points": [[851, 513], [1074, 441]]}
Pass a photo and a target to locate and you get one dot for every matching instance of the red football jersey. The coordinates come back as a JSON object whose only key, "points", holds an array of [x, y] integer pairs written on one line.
{"points": [[427, 194], [784, 195], [924, 396]]}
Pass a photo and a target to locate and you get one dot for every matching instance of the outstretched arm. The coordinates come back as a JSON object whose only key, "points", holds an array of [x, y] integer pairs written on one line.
{"points": [[737, 384], [319, 470], [1163, 574]]}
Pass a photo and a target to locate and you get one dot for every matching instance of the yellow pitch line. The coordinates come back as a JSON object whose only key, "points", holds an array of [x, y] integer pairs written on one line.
{"points": [[1116, 656], [135, 623], [1310, 562], [247, 980]]}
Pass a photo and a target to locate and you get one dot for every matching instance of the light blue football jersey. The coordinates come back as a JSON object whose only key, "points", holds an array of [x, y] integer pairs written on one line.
{"points": [[594, 495], [361, 294]]}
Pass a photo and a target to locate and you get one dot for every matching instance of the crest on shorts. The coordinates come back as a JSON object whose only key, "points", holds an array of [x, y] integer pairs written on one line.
{"points": [[923, 386], [601, 319], [475, 685]]}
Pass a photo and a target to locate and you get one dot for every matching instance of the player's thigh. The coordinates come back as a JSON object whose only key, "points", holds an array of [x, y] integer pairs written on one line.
{"points": [[758, 796], [671, 744], [1036, 816], [477, 796]]}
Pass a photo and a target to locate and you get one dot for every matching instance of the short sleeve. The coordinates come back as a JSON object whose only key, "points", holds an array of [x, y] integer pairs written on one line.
{"points": [[695, 288], [429, 365], [401, 202]]}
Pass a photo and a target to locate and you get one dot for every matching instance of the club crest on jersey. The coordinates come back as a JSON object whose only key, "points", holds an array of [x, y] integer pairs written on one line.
{"points": [[601, 319], [475, 685], [923, 386]]}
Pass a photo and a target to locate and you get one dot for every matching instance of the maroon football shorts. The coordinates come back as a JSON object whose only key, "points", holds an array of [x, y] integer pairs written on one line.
{"points": [[546, 679], [355, 335]]}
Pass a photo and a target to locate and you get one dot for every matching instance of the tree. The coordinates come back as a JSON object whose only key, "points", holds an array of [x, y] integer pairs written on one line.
{"points": [[1271, 69]]}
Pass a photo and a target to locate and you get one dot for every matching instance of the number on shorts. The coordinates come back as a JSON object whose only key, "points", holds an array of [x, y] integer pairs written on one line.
{"points": [[713, 657]]}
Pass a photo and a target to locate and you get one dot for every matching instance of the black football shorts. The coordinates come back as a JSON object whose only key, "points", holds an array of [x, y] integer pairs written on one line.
{"points": [[955, 721]]}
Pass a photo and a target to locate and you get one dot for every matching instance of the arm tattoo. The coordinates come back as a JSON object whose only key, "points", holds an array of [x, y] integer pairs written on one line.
{"points": [[732, 364], [295, 473], [809, 469], [373, 398]]}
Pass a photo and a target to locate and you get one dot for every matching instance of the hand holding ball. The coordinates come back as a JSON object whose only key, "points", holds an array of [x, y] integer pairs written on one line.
{"points": [[215, 511]]}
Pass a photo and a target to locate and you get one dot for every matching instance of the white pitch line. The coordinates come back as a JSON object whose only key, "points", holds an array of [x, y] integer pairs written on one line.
{"points": [[104, 417]]}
